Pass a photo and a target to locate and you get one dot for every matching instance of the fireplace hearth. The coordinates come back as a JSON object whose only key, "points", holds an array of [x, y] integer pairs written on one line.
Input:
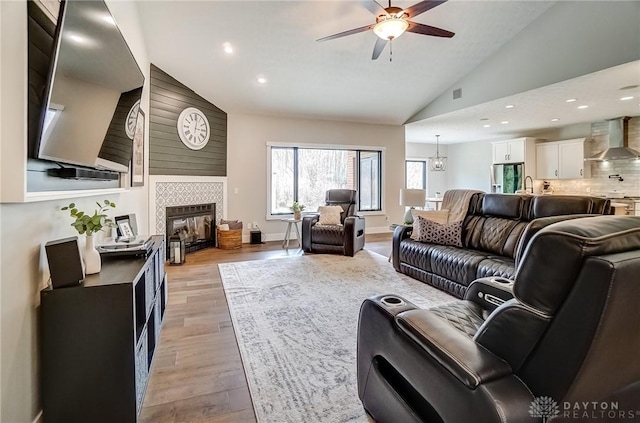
{"points": [[193, 223]]}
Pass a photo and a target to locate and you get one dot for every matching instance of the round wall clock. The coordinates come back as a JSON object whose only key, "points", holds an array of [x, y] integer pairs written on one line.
{"points": [[132, 119], [193, 128]]}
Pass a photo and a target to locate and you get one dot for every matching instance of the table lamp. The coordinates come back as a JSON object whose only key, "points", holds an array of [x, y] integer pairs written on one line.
{"points": [[412, 198]]}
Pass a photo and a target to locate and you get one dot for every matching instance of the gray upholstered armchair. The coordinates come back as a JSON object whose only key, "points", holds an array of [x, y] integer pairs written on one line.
{"points": [[565, 331], [346, 238]]}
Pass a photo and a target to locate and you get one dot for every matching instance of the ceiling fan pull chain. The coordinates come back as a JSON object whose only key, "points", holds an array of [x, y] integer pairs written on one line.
{"points": [[390, 51]]}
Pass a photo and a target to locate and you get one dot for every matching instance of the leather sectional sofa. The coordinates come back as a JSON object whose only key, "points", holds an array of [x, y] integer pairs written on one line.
{"points": [[495, 232]]}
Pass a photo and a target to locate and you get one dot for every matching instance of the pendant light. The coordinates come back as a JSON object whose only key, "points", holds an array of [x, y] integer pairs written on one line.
{"points": [[437, 163]]}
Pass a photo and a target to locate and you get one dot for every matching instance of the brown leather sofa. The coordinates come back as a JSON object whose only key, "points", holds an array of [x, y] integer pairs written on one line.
{"points": [[346, 238], [564, 334], [495, 229]]}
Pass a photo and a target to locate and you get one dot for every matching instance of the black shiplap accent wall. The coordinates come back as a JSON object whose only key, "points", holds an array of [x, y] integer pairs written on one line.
{"points": [[167, 154]]}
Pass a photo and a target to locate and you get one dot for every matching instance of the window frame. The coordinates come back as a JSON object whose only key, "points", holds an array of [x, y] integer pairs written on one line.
{"points": [[355, 148], [425, 163]]}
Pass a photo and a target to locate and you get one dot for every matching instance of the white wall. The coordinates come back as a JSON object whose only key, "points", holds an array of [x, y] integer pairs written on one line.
{"points": [[468, 165], [247, 140], [25, 228], [436, 181]]}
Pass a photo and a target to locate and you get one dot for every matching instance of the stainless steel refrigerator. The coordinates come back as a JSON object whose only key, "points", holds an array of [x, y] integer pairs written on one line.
{"points": [[507, 178]]}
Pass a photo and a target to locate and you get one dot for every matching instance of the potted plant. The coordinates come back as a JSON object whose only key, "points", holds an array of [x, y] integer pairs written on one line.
{"points": [[87, 224], [297, 209]]}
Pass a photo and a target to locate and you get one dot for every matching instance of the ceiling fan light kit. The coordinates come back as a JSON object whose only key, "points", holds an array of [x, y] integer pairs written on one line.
{"points": [[390, 27], [394, 22]]}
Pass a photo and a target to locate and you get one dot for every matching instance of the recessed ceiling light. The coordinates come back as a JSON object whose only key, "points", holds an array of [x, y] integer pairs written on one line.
{"points": [[584, 106], [484, 119], [571, 100], [630, 97], [262, 80], [629, 87], [486, 126], [504, 122], [228, 48], [509, 106], [555, 120]]}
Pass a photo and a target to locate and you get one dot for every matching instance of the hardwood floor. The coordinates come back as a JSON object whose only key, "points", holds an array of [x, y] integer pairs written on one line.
{"points": [[197, 374]]}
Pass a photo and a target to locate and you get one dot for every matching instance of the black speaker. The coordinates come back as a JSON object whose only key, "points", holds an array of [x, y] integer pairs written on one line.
{"points": [[256, 237], [65, 264]]}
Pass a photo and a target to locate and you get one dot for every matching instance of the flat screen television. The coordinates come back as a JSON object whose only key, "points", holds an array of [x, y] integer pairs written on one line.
{"points": [[92, 94]]}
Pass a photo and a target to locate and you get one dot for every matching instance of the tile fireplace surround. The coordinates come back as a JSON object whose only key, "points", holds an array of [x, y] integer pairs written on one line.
{"points": [[175, 190]]}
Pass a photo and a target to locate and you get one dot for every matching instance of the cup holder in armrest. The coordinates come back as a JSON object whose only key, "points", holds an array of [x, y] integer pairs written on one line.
{"points": [[391, 301], [499, 279]]}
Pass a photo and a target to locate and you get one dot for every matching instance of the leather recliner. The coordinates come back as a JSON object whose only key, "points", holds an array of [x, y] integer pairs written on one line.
{"points": [[562, 335], [346, 238]]}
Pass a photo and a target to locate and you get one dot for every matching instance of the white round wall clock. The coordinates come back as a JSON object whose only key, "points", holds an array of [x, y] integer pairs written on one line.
{"points": [[132, 120], [193, 128]]}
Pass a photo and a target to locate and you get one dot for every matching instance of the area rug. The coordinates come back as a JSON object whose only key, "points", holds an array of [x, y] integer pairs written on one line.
{"points": [[296, 322]]}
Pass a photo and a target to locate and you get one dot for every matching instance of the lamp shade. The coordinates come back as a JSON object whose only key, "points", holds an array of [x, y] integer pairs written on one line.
{"points": [[413, 197]]}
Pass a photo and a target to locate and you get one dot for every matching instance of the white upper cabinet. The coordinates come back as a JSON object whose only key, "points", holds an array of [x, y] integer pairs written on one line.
{"points": [[562, 160], [512, 151]]}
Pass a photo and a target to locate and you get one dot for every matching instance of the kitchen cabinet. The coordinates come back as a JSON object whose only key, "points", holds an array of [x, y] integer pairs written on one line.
{"points": [[562, 160], [512, 151]]}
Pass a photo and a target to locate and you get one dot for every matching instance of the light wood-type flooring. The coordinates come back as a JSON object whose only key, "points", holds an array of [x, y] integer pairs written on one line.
{"points": [[197, 374]]}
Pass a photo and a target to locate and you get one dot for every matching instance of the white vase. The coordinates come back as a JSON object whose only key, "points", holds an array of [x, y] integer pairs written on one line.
{"points": [[91, 257]]}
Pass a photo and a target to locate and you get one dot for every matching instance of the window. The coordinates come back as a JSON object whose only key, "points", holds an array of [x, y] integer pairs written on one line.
{"points": [[416, 174], [305, 175]]}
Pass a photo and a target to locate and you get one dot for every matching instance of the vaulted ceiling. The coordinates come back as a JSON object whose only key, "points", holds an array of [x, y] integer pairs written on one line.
{"points": [[336, 79]]}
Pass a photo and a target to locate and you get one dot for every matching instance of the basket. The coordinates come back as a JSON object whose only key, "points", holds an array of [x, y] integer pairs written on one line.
{"points": [[229, 240]]}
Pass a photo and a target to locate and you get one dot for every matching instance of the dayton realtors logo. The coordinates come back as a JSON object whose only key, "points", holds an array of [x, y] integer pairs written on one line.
{"points": [[547, 407], [544, 407]]}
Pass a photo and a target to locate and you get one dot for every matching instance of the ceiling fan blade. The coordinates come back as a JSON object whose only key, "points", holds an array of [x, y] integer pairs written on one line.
{"points": [[373, 6], [377, 49], [418, 28], [422, 7], [345, 33]]}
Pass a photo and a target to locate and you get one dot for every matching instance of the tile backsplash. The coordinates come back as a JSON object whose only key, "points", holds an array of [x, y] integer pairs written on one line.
{"points": [[600, 183]]}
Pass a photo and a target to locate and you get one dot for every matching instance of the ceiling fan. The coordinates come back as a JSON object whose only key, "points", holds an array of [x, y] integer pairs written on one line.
{"points": [[392, 22]]}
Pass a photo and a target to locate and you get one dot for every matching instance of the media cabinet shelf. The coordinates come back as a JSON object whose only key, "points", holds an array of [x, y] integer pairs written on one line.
{"points": [[98, 340]]}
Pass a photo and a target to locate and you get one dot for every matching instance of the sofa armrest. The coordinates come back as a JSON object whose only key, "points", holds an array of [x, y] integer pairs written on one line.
{"points": [[490, 292], [307, 222], [401, 232], [468, 361], [353, 232]]}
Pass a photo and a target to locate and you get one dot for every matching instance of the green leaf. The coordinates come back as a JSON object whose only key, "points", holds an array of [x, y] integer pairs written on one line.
{"points": [[80, 214], [99, 205], [72, 205], [85, 219], [74, 212], [95, 220], [81, 231], [65, 208], [107, 202], [113, 205]]}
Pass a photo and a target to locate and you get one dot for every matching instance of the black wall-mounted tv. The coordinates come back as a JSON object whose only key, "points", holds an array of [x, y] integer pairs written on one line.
{"points": [[92, 93]]}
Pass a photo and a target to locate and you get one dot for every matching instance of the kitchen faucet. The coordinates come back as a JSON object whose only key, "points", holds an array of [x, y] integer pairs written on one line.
{"points": [[525, 184]]}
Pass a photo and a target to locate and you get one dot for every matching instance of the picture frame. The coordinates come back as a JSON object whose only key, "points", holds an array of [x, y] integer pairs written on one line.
{"points": [[137, 158], [125, 229]]}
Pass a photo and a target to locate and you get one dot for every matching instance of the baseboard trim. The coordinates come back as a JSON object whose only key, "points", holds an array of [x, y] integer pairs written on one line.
{"points": [[38, 418], [279, 236]]}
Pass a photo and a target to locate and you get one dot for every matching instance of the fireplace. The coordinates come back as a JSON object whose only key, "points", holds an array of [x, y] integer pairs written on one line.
{"points": [[194, 223]]}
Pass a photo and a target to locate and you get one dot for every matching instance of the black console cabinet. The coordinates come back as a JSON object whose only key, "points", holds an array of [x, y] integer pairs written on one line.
{"points": [[98, 339]]}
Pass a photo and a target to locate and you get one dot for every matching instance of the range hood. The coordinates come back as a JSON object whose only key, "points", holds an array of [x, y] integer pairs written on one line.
{"points": [[618, 142]]}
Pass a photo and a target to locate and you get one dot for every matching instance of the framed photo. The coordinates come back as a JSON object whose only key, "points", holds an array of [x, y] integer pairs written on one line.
{"points": [[137, 159], [125, 229]]}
